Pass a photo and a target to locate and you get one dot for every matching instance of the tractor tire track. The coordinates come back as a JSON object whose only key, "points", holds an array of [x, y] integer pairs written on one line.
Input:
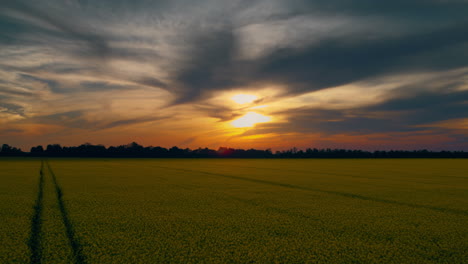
{"points": [[342, 194], [347, 175], [34, 242], [75, 245]]}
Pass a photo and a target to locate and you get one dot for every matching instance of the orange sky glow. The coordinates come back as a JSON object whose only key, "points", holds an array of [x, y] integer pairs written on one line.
{"points": [[232, 74]]}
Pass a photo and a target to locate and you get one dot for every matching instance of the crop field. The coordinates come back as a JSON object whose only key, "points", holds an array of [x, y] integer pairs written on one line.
{"points": [[233, 211]]}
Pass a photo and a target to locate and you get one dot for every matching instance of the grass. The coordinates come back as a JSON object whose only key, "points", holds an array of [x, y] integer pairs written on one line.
{"points": [[238, 211]]}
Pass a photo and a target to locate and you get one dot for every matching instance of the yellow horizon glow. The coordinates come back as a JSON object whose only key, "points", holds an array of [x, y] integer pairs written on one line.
{"points": [[244, 98], [250, 119]]}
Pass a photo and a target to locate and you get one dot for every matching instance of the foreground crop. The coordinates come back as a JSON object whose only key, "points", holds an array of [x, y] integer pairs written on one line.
{"points": [[179, 211]]}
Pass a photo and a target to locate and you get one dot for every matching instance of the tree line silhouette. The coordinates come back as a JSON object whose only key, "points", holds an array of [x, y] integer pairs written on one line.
{"points": [[134, 150]]}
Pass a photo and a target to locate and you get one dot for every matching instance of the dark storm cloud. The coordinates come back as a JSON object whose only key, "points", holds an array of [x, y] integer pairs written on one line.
{"points": [[56, 67], [192, 49], [132, 121], [212, 63], [429, 10], [15, 26], [51, 84], [331, 122], [10, 108], [428, 101], [78, 119], [10, 92], [75, 119], [151, 81], [30, 74], [427, 107], [335, 62], [405, 113], [210, 67], [101, 86], [222, 113]]}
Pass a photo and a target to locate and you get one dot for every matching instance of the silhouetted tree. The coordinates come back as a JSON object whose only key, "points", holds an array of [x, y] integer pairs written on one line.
{"points": [[7, 150], [135, 150], [37, 150], [54, 149]]}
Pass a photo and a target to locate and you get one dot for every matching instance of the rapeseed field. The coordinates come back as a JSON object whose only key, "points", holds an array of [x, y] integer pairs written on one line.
{"points": [[233, 211]]}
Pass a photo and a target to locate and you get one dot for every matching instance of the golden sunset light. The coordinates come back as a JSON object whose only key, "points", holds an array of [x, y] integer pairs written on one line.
{"points": [[114, 73], [244, 98], [250, 119]]}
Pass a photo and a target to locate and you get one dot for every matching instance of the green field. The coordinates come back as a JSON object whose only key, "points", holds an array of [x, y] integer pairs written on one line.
{"points": [[233, 211]]}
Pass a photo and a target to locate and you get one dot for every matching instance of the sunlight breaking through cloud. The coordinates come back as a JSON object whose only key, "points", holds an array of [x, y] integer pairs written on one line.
{"points": [[111, 72], [244, 98], [250, 119]]}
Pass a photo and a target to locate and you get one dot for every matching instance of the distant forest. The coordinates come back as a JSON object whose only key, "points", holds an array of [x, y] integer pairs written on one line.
{"points": [[134, 150]]}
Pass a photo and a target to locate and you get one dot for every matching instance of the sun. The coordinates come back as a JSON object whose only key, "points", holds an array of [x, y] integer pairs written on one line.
{"points": [[244, 98], [250, 119]]}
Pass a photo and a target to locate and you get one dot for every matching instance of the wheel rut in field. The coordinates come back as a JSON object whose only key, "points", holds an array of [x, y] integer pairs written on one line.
{"points": [[34, 242], [337, 193], [347, 175], [70, 231], [49, 213]]}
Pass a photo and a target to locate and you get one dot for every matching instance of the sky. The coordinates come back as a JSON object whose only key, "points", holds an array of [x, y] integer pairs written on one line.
{"points": [[356, 74]]}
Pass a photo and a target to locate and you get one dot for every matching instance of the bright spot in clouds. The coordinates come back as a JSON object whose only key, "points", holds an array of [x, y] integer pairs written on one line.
{"points": [[259, 106], [244, 98], [250, 119]]}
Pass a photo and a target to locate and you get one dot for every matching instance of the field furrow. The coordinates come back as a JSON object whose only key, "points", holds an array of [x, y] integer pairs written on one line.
{"points": [[59, 240], [53, 239], [34, 242], [342, 194]]}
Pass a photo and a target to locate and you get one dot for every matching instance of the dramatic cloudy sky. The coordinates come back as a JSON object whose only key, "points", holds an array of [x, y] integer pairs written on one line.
{"points": [[337, 73]]}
